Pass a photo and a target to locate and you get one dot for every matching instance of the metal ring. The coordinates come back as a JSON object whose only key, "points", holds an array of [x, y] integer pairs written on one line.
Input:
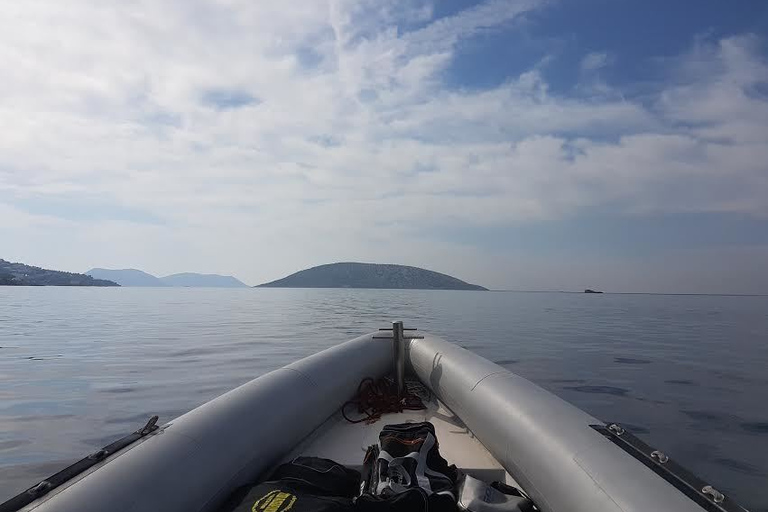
{"points": [[717, 496], [661, 456], [616, 429]]}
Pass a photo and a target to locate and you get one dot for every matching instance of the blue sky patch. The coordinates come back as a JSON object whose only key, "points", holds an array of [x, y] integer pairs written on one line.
{"points": [[635, 33], [227, 99]]}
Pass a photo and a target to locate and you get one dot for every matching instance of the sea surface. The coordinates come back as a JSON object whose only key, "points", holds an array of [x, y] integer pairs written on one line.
{"points": [[80, 367]]}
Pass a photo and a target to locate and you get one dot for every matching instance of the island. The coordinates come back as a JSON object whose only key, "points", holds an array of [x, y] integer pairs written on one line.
{"points": [[126, 277], [371, 275], [192, 279], [130, 277], [19, 274], [591, 291]]}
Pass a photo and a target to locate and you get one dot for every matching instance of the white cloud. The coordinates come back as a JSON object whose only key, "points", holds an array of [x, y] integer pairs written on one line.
{"points": [[343, 153], [594, 61]]}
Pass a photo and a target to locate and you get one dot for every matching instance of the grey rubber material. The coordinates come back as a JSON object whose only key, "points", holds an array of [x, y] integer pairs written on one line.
{"points": [[545, 443], [194, 462]]}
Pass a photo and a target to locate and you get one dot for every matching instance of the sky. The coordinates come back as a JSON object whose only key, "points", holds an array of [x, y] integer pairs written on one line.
{"points": [[517, 144]]}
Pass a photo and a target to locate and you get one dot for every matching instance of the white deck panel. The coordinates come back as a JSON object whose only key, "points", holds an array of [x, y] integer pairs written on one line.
{"points": [[346, 443]]}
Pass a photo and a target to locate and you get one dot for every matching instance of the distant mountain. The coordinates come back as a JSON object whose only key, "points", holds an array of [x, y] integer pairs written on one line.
{"points": [[133, 277], [371, 275], [126, 277], [18, 274], [203, 280]]}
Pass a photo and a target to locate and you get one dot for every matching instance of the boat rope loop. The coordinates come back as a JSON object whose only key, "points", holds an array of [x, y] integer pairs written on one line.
{"points": [[376, 398]]}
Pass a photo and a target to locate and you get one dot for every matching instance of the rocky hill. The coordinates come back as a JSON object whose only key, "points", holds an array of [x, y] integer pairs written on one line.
{"points": [[19, 274], [371, 275]]}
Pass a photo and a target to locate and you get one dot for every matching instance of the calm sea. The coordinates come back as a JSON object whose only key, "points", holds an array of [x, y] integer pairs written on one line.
{"points": [[80, 367]]}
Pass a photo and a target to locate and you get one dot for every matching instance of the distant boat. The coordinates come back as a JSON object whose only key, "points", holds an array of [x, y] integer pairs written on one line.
{"points": [[592, 291]]}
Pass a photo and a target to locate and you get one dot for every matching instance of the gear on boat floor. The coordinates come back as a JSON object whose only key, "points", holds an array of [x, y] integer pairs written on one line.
{"points": [[376, 398]]}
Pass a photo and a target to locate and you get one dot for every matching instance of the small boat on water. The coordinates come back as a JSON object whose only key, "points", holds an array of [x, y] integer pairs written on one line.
{"points": [[492, 424]]}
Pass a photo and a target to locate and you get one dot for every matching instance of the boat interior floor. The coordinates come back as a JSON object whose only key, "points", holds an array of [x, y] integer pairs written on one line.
{"points": [[346, 442]]}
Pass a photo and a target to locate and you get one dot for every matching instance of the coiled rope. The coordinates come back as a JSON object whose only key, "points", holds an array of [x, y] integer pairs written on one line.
{"points": [[375, 398]]}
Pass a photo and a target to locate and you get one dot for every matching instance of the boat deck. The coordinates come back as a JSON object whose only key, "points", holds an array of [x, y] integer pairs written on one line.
{"points": [[346, 442]]}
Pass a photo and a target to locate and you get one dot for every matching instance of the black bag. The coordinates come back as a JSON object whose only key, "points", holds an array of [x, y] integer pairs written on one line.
{"points": [[414, 499], [411, 500], [306, 484], [410, 457], [409, 473], [368, 472], [319, 476], [280, 497]]}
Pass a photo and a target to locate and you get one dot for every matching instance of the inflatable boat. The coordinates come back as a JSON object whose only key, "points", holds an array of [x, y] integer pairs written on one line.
{"points": [[491, 423]]}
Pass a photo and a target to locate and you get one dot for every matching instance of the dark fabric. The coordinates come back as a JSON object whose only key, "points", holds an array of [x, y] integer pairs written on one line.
{"points": [[306, 484], [411, 500], [506, 489], [319, 476], [409, 474], [281, 497], [369, 468], [414, 499], [410, 457]]}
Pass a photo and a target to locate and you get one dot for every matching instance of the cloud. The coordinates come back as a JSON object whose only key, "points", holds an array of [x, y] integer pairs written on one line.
{"points": [[264, 128], [594, 61]]}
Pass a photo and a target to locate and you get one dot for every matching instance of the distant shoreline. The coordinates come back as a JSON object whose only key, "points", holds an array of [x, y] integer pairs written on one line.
{"points": [[385, 289], [639, 293]]}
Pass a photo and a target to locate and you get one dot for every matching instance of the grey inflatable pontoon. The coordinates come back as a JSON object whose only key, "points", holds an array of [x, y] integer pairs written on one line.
{"points": [[490, 422]]}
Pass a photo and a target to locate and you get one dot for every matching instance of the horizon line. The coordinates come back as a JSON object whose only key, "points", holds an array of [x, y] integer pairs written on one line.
{"points": [[714, 294]]}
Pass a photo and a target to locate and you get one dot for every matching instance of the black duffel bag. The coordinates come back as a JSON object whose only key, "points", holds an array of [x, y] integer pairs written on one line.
{"points": [[306, 484], [408, 473]]}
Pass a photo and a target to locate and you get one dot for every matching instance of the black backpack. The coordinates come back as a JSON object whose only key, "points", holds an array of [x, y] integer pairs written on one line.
{"points": [[408, 472], [306, 484]]}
